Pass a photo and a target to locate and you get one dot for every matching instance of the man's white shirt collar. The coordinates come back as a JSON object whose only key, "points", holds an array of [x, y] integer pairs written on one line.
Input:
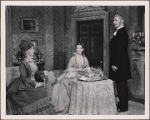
{"points": [[117, 30]]}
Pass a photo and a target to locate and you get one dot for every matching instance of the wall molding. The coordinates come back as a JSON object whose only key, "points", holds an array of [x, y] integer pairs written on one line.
{"points": [[89, 8]]}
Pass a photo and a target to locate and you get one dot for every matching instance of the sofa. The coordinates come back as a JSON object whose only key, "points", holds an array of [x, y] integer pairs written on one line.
{"points": [[13, 72]]}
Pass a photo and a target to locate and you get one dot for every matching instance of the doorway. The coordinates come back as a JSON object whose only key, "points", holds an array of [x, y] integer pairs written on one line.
{"points": [[90, 33], [91, 27]]}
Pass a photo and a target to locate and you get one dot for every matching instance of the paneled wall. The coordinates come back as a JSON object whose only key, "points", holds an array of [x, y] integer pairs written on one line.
{"points": [[129, 13], [49, 38], [60, 23], [69, 10], [59, 42], [137, 58], [26, 12]]}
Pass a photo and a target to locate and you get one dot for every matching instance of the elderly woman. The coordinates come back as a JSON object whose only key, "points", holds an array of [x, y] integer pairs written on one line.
{"points": [[61, 91], [25, 90]]}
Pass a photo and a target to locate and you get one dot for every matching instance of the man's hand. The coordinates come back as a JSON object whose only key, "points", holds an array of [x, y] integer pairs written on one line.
{"points": [[114, 68]]}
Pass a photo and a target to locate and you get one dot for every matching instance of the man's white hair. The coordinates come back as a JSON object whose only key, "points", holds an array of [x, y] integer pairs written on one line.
{"points": [[120, 17]]}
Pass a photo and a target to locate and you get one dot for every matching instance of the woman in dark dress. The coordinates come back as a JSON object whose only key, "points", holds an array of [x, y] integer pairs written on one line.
{"points": [[119, 62], [25, 89]]}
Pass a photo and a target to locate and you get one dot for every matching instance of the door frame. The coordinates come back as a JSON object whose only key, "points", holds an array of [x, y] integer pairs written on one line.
{"points": [[92, 15]]}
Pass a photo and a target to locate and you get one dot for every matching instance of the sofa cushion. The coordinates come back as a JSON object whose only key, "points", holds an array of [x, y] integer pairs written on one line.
{"points": [[11, 74]]}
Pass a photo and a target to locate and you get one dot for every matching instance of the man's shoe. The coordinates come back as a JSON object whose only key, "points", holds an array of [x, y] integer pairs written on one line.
{"points": [[122, 110]]}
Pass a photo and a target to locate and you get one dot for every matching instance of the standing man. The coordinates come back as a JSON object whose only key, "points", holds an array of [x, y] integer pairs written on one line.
{"points": [[119, 62]]}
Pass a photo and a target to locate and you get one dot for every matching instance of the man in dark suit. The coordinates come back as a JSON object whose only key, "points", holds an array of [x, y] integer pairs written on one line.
{"points": [[119, 62]]}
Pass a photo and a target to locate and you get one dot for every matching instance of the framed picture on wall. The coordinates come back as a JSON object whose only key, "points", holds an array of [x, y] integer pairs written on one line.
{"points": [[29, 24]]}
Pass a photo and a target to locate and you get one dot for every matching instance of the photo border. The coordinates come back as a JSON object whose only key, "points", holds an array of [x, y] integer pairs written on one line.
{"points": [[72, 3]]}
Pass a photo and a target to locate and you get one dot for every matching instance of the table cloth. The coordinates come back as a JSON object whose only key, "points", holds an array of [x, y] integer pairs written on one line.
{"points": [[92, 98]]}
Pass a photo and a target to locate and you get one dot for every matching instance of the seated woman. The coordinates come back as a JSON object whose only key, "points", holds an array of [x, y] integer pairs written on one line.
{"points": [[62, 89], [25, 89]]}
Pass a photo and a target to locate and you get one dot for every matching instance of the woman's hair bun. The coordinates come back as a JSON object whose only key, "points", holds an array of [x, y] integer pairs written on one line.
{"points": [[25, 45]]}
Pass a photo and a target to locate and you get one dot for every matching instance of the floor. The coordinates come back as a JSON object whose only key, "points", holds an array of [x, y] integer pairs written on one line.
{"points": [[135, 108]]}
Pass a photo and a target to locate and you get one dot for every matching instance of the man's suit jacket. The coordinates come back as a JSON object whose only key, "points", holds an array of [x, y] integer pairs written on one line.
{"points": [[119, 56]]}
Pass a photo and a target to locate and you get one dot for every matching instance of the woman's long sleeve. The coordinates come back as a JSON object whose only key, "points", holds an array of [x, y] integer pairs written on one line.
{"points": [[23, 75], [71, 65], [87, 62]]}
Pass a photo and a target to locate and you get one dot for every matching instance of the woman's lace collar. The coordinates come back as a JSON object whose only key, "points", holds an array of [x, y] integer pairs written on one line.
{"points": [[30, 59], [74, 54]]}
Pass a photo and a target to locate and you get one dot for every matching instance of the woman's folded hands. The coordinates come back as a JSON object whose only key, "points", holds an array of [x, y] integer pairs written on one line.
{"points": [[72, 69], [39, 84]]}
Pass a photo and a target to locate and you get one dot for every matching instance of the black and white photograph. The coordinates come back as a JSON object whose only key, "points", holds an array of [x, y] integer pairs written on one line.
{"points": [[79, 59]]}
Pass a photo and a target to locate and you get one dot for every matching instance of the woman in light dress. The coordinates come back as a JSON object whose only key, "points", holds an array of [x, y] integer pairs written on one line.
{"points": [[62, 89]]}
